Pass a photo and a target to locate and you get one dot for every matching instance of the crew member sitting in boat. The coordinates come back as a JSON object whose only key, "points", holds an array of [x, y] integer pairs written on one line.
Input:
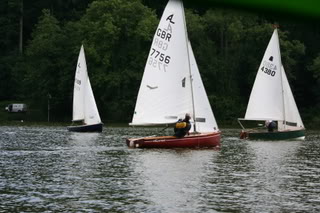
{"points": [[271, 125], [182, 127]]}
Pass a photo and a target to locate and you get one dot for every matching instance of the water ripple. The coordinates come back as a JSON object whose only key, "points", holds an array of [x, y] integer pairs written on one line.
{"points": [[48, 169]]}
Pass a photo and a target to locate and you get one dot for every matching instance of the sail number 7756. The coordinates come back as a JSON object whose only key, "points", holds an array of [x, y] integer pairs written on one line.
{"points": [[162, 57], [159, 60]]}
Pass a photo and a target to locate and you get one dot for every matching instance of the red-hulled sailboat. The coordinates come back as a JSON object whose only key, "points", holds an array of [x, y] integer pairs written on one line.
{"points": [[199, 140], [171, 87]]}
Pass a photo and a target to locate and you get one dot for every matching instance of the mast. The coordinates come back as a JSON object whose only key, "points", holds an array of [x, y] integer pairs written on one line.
{"points": [[189, 67], [281, 78], [284, 108]]}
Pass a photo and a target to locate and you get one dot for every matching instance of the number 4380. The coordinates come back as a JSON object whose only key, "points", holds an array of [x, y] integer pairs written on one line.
{"points": [[268, 71]]}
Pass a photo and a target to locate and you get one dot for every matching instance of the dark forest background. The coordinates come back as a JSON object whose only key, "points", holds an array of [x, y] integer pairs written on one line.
{"points": [[40, 42]]}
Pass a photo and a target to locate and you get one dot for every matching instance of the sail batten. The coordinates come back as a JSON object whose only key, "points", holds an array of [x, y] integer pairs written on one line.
{"points": [[77, 120]]}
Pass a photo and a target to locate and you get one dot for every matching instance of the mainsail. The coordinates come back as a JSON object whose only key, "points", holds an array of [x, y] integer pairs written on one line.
{"points": [[266, 99], [164, 94]]}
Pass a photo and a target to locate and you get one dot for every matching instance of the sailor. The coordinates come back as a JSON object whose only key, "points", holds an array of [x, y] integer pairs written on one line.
{"points": [[271, 125], [182, 127]]}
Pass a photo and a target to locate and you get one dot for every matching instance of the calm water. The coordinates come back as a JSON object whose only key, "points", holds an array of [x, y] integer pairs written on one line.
{"points": [[47, 169]]}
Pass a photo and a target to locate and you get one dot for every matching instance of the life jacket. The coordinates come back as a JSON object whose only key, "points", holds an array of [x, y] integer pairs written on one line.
{"points": [[180, 125]]}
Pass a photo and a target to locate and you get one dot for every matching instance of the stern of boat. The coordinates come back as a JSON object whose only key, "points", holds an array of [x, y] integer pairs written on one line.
{"points": [[133, 143]]}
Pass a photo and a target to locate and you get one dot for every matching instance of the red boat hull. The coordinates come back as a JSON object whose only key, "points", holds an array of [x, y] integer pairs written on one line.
{"points": [[200, 140]]}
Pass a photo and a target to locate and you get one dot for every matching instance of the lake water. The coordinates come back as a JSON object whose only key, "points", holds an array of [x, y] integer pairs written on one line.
{"points": [[48, 169]]}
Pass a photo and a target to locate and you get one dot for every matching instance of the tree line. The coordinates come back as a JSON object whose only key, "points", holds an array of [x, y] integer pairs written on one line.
{"points": [[40, 42]]}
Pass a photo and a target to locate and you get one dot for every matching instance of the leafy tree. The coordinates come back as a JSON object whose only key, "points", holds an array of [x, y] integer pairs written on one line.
{"points": [[314, 68], [9, 42], [45, 70], [229, 46], [117, 36]]}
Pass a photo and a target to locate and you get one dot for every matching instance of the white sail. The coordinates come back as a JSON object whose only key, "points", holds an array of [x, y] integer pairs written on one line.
{"points": [[84, 105], [292, 115], [271, 97], [91, 111], [79, 87], [266, 99], [164, 94], [205, 120]]}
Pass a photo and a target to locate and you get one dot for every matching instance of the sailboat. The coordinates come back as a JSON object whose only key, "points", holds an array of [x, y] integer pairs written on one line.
{"points": [[84, 105], [171, 86], [271, 99]]}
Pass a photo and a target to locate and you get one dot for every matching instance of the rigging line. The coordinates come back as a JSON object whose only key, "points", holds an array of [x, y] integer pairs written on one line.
{"points": [[190, 75]]}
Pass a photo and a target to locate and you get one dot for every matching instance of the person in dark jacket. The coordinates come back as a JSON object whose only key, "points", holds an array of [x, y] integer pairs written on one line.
{"points": [[182, 127], [271, 125]]}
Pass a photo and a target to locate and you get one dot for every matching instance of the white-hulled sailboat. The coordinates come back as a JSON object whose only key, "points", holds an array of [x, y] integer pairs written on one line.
{"points": [[271, 99], [171, 87], [84, 105]]}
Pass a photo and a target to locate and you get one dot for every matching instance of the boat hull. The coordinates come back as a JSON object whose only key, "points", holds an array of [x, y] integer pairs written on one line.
{"points": [[277, 135], [201, 140], [86, 128]]}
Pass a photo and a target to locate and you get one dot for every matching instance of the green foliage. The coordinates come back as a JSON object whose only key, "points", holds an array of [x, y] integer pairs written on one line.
{"points": [[315, 67], [9, 43], [116, 34], [46, 70]]}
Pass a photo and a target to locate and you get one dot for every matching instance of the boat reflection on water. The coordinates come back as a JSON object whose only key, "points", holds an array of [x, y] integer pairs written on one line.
{"points": [[80, 167], [80, 140], [271, 174], [172, 180]]}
